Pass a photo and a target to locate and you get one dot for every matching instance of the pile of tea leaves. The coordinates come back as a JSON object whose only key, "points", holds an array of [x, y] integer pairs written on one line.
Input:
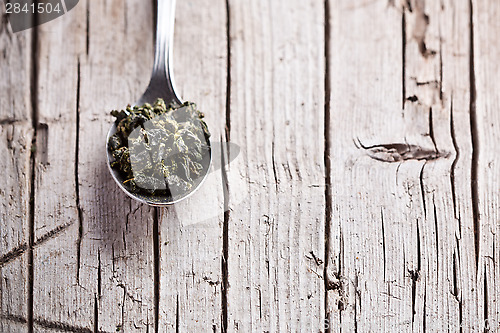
{"points": [[160, 149]]}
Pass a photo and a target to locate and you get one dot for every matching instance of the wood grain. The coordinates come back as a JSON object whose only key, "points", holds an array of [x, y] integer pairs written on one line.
{"points": [[16, 132], [59, 46], [117, 236], [403, 240], [486, 128], [373, 215], [276, 233], [191, 231], [97, 249], [365, 197], [437, 55]]}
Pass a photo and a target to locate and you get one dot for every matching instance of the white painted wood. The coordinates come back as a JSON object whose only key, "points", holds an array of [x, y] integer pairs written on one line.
{"points": [[276, 233], [191, 231], [373, 216], [15, 148], [103, 271], [461, 260], [412, 242], [447, 285], [57, 298], [117, 232], [402, 234], [487, 71]]}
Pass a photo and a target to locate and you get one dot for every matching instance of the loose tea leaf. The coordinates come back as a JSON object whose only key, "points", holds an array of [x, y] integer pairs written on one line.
{"points": [[160, 149]]}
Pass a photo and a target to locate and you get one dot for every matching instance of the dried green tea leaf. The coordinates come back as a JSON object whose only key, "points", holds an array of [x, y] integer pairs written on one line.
{"points": [[160, 149]]}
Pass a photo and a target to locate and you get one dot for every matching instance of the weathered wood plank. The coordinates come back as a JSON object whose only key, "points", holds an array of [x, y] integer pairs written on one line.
{"points": [[402, 255], [16, 134], [56, 296], [486, 127], [96, 257], [276, 233], [414, 190], [16, 69], [13, 324], [13, 293], [437, 100], [117, 235], [456, 87], [191, 231], [375, 205]]}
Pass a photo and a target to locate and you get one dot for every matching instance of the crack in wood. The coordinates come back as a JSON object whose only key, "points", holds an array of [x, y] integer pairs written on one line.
{"points": [[9, 142], [124, 239], [326, 157], [431, 130], [335, 280], [96, 314], [99, 273], [403, 56], [454, 164], [436, 232], [441, 67], [35, 123], [458, 295], [383, 239], [225, 184], [177, 315], [407, 5], [225, 240], [77, 181], [120, 326], [113, 259], [156, 266], [276, 181], [485, 302], [422, 190], [415, 276], [474, 137], [357, 301], [260, 304], [228, 75], [424, 314]]}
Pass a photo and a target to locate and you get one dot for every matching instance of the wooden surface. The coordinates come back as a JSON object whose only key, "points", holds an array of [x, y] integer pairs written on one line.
{"points": [[365, 196]]}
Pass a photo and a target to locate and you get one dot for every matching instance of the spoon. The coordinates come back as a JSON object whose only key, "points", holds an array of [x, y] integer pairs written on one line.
{"points": [[161, 85]]}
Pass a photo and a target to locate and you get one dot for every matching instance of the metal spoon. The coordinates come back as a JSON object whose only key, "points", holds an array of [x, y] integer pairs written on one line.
{"points": [[161, 85]]}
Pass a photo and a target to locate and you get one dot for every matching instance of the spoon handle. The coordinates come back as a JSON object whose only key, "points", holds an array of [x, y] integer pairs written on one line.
{"points": [[164, 44]]}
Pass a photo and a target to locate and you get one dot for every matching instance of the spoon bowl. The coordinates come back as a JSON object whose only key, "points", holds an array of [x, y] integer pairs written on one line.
{"points": [[162, 86]]}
